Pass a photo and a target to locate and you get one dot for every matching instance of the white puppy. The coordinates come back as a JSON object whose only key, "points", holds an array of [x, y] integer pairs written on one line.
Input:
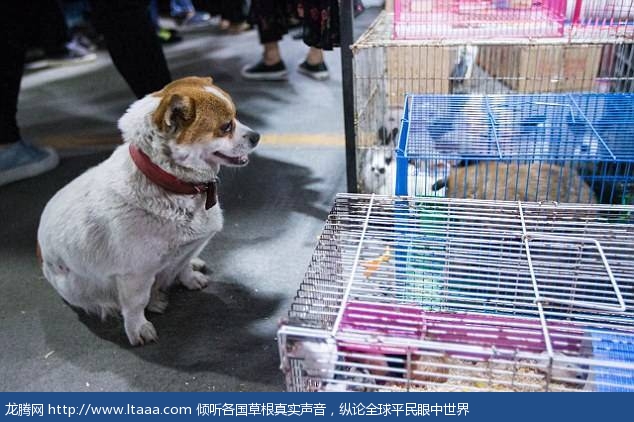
{"points": [[115, 238]]}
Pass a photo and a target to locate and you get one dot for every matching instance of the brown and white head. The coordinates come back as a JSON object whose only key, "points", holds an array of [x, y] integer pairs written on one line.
{"points": [[190, 129]]}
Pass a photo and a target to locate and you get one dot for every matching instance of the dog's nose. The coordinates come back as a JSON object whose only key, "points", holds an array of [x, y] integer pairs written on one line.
{"points": [[253, 138]]}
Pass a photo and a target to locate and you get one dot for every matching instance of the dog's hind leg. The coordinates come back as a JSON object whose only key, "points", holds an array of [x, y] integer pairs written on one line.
{"points": [[134, 292]]}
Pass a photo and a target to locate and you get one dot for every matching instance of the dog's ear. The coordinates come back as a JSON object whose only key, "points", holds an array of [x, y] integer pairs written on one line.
{"points": [[174, 112]]}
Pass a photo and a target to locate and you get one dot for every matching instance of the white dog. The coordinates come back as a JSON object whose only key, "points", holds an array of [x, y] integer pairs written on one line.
{"points": [[115, 238]]}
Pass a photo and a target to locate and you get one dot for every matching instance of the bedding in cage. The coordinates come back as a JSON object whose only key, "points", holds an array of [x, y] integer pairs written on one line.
{"points": [[437, 294], [476, 19], [575, 148]]}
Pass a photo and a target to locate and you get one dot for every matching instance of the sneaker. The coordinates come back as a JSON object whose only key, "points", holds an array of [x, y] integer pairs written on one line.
{"points": [[316, 71], [72, 54], [21, 160], [168, 36], [264, 72], [193, 20]]}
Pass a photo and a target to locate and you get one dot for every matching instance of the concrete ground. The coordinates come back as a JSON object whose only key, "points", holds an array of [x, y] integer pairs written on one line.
{"points": [[220, 339]]}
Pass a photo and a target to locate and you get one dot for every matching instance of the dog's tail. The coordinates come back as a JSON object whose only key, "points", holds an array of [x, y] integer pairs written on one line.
{"points": [[38, 253]]}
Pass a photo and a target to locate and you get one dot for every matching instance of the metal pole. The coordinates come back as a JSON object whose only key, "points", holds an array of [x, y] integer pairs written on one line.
{"points": [[346, 28]]}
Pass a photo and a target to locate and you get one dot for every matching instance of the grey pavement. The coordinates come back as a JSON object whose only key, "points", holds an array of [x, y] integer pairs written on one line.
{"points": [[219, 339]]}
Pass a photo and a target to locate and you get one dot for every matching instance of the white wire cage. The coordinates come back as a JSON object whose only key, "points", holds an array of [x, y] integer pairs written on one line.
{"points": [[385, 70], [437, 294], [538, 147]]}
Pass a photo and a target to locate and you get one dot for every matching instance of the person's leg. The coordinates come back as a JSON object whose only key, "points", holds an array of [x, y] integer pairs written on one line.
{"points": [[320, 32], [154, 13], [321, 23], [18, 159], [271, 19], [233, 16], [52, 28], [13, 39], [315, 56], [186, 15], [131, 40], [271, 54], [181, 7], [233, 10]]}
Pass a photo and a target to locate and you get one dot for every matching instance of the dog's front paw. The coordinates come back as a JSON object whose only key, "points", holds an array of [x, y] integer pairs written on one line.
{"points": [[194, 280], [143, 334]]}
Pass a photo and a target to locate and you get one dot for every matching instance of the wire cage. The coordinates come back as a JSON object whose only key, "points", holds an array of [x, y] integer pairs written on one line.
{"points": [[474, 19], [385, 70], [540, 147], [440, 294]]}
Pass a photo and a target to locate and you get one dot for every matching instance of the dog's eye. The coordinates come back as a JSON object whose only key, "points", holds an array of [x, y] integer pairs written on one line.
{"points": [[227, 127]]}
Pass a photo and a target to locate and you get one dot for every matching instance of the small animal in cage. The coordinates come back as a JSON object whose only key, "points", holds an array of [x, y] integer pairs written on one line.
{"points": [[537, 181], [378, 171], [463, 67], [387, 134], [377, 167], [379, 174], [318, 359]]}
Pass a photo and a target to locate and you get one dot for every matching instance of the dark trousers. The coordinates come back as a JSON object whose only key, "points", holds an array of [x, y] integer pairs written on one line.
{"points": [[235, 11], [130, 37], [319, 18]]}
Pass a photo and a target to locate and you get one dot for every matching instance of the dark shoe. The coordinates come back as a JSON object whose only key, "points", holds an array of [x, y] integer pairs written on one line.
{"points": [[318, 72], [168, 36], [264, 72]]}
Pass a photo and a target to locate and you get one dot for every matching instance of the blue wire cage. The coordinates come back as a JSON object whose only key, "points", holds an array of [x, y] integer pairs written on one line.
{"points": [[556, 147]]}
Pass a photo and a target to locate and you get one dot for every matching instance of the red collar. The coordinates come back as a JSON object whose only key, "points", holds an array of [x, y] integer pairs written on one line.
{"points": [[170, 182]]}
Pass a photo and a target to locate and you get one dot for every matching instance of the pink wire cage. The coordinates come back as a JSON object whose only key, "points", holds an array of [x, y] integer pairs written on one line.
{"points": [[478, 19], [601, 18]]}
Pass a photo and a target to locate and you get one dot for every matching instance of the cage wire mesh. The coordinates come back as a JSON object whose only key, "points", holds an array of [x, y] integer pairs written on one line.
{"points": [[386, 69], [440, 294], [538, 147], [601, 19]]}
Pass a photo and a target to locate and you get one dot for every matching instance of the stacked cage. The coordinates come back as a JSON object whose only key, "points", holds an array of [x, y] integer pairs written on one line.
{"points": [[445, 48], [440, 294], [575, 148]]}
